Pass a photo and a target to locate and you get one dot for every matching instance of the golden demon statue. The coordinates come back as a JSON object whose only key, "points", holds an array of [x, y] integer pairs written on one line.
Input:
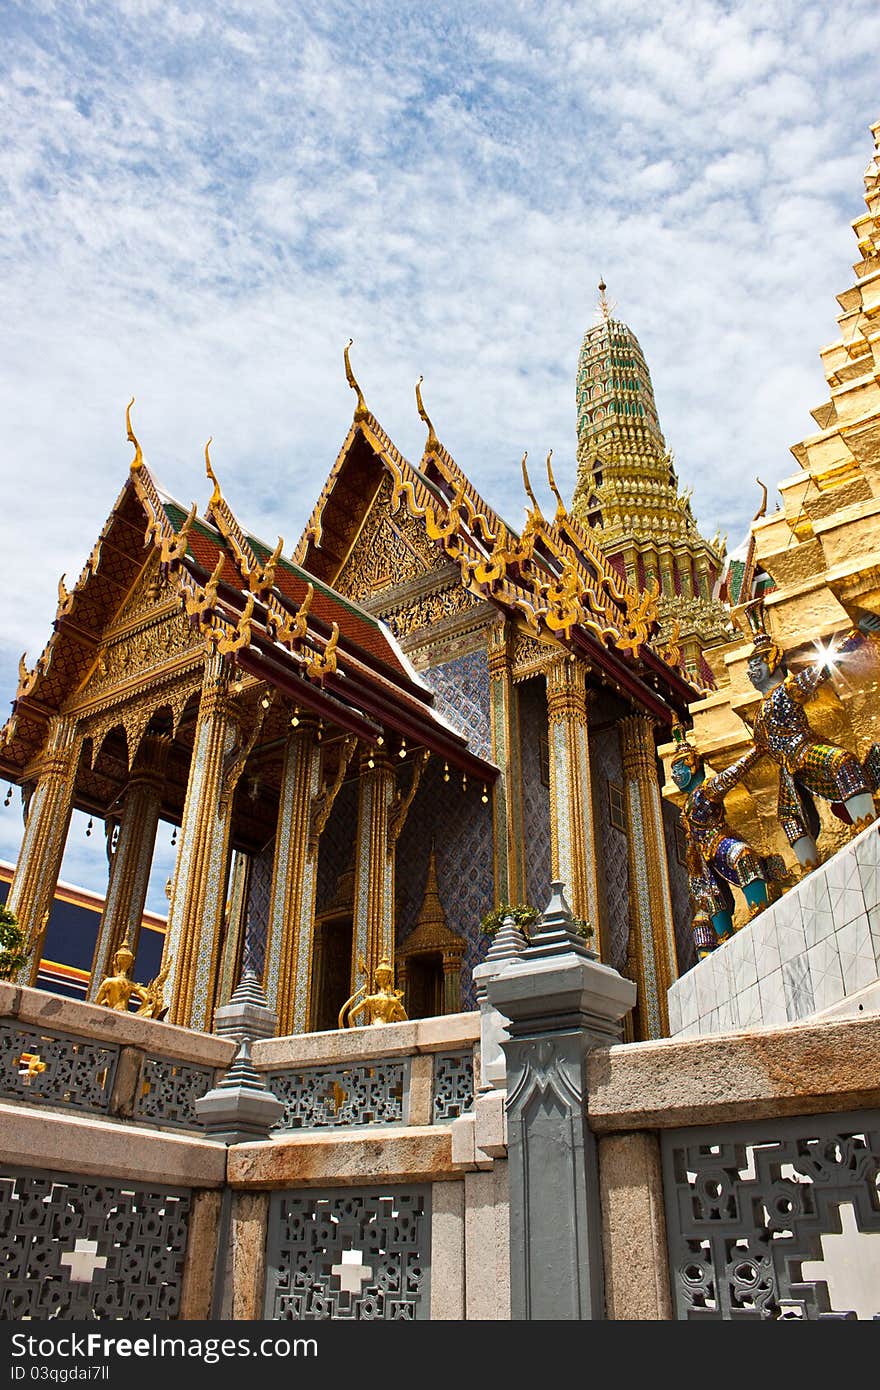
{"points": [[383, 1006], [809, 767], [716, 855]]}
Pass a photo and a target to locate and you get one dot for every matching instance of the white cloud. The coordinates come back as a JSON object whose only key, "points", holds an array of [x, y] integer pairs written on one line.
{"points": [[200, 204]]}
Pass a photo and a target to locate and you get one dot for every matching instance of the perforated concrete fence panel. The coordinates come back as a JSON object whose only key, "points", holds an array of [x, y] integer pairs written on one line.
{"points": [[772, 1219], [358, 1253], [76, 1247], [357, 1093]]}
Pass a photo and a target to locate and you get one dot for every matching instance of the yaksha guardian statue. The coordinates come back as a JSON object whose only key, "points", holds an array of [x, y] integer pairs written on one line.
{"points": [[808, 767], [716, 856]]}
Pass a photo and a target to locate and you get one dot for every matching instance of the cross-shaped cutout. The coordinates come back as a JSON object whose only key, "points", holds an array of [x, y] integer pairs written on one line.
{"points": [[84, 1260], [352, 1272], [850, 1266]]}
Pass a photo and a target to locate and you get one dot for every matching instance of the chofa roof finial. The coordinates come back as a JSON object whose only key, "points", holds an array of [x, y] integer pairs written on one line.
{"points": [[138, 461], [432, 442], [527, 484], [216, 495], [360, 410], [561, 509]]}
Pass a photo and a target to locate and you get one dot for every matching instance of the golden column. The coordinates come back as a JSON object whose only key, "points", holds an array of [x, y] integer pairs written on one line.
{"points": [[287, 971], [572, 832], [652, 932], [507, 812], [452, 981], [373, 932], [195, 918], [235, 926], [42, 848], [132, 858]]}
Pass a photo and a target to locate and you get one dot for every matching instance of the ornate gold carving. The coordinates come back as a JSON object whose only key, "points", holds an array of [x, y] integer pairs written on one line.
{"points": [[566, 692], [428, 609], [561, 509], [432, 443], [641, 616], [322, 664], [216, 495], [360, 410], [530, 657], [387, 552], [322, 804], [228, 643], [65, 600], [234, 761], [137, 462], [134, 654], [173, 548], [399, 808], [288, 628]]}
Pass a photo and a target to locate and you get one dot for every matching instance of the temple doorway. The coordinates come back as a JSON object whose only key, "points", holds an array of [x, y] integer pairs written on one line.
{"points": [[331, 971]]}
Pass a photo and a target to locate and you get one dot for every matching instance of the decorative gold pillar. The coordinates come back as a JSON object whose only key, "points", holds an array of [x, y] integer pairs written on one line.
{"points": [[631, 565], [507, 811], [652, 931], [452, 983], [42, 849], [667, 578], [235, 927], [132, 858], [572, 831], [287, 971], [373, 931], [703, 589], [198, 896]]}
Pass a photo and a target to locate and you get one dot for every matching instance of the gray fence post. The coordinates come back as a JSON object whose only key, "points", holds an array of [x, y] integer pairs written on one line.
{"points": [[561, 1002]]}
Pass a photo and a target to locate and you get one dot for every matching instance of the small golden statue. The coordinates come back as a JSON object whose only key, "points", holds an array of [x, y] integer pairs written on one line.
{"points": [[115, 990], [384, 1006]]}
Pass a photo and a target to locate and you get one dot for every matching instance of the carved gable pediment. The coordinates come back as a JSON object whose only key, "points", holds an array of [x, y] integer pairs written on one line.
{"points": [[148, 633], [390, 550]]}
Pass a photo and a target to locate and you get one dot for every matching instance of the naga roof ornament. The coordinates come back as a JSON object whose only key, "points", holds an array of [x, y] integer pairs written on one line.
{"points": [[360, 410]]}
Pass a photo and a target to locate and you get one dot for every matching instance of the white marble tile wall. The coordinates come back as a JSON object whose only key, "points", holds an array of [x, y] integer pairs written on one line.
{"points": [[816, 946]]}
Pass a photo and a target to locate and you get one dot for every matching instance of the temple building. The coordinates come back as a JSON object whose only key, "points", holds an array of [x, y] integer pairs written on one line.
{"points": [[627, 494], [811, 569], [367, 745]]}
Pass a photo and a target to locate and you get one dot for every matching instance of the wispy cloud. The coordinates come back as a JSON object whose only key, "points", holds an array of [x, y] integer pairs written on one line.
{"points": [[201, 203]]}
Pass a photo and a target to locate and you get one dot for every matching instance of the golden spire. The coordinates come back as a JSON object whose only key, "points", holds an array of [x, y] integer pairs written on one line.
{"points": [[604, 306], [360, 410], [561, 510], [216, 495], [432, 442], [137, 462]]}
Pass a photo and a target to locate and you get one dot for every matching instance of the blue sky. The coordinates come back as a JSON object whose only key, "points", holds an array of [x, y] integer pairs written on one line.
{"points": [[200, 204]]}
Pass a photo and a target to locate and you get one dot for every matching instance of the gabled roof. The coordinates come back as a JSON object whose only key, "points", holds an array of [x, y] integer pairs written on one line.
{"points": [[246, 602], [552, 576]]}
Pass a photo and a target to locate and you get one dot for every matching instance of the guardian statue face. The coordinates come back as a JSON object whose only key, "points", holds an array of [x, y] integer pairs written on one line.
{"points": [[760, 675], [683, 775]]}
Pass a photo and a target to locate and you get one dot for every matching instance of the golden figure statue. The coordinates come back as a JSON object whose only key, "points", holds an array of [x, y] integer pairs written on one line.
{"points": [[117, 989], [384, 1006], [808, 766]]}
